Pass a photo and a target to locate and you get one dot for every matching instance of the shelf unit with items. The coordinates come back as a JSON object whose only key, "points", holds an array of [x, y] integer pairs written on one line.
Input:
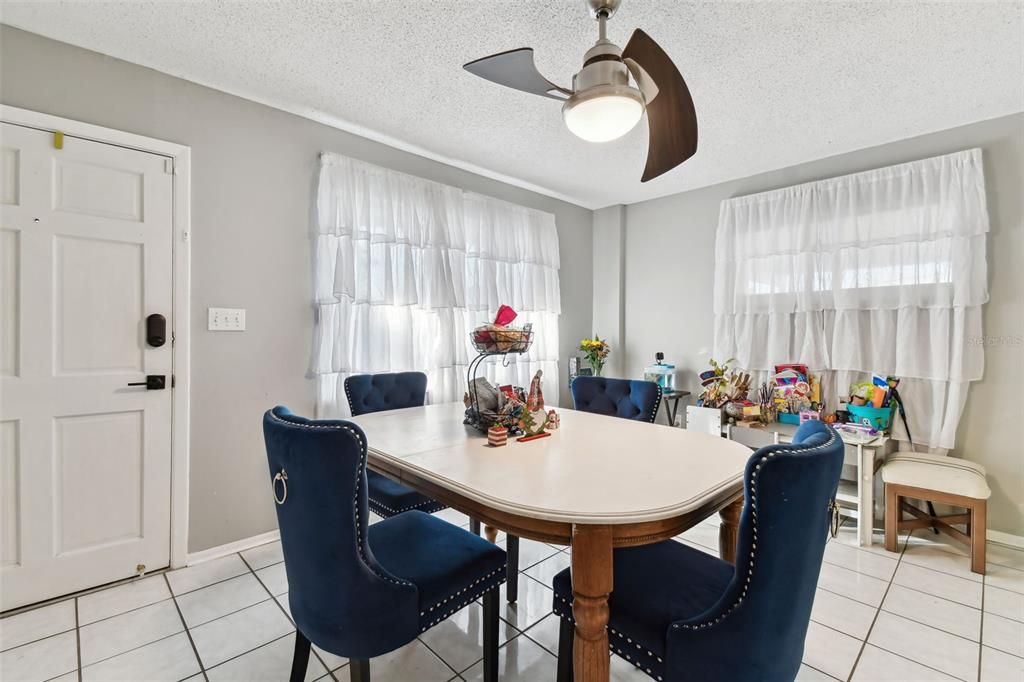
{"points": [[861, 461]]}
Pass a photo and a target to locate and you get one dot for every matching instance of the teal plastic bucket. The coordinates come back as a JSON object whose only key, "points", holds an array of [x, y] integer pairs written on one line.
{"points": [[877, 417]]}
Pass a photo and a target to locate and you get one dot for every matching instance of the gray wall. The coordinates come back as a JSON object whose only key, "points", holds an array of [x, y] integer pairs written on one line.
{"points": [[609, 283], [669, 263], [253, 170]]}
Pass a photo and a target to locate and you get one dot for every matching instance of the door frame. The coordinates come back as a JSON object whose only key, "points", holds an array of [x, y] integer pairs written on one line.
{"points": [[181, 289]]}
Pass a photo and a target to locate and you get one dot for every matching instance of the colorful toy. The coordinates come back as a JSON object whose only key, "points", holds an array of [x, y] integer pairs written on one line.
{"points": [[554, 421]]}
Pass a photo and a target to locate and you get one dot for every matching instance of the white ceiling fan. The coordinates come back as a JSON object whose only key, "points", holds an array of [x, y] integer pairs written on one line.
{"points": [[605, 103]]}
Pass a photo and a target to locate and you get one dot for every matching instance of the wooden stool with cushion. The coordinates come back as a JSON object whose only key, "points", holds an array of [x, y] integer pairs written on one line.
{"points": [[940, 479]]}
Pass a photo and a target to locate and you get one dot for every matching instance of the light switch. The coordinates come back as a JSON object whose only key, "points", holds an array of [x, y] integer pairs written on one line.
{"points": [[225, 319]]}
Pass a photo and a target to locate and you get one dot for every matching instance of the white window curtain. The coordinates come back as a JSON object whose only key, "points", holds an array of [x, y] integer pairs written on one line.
{"points": [[406, 268], [882, 271]]}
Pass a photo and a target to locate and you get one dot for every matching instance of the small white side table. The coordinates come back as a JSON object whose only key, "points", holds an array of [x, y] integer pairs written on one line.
{"points": [[856, 494]]}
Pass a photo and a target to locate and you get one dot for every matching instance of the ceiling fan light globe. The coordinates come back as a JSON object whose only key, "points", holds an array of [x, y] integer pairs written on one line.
{"points": [[604, 113]]}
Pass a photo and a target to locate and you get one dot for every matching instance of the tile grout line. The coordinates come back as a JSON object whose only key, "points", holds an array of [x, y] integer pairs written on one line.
{"points": [[898, 655], [831, 677], [136, 648], [203, 587], [878, 610], [853, 599], [34, 641], [35, 606], [981, 630], [937, 629], [936, 596], [441, 658], [273, 598], [131, 610], [188, 633], [78, 642]]}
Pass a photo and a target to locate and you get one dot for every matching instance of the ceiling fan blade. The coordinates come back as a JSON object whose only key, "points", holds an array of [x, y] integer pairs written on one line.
{"points": [[671, 118], [515, 69]]}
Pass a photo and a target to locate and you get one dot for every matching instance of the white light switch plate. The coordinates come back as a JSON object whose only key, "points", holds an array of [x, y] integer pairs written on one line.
{"points": [[225, 319]]}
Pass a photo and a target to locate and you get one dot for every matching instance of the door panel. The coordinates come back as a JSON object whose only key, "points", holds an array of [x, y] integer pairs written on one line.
{"points": [[99, 190], [9, 302], [9, 181], [98, 311], [10, 455], [85, 234], [99, 465]]}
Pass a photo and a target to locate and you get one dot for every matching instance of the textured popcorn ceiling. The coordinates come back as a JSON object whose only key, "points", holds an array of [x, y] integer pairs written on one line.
{"points": [[775, 83]]}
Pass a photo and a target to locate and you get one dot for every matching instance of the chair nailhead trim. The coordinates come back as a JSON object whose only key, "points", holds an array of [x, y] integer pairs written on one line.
{"points": [[500, 569], [473, 596], [613, 648], [360, 539], [747, 580], [657, 404], [426, 507], [753, 544]]}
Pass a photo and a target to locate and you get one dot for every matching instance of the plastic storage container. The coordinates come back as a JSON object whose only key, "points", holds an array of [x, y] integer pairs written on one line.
{"points": [[877, 417], [663, 374]]}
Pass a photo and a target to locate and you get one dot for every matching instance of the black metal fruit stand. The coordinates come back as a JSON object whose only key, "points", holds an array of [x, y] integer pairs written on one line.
{"points": [[491, 344]]}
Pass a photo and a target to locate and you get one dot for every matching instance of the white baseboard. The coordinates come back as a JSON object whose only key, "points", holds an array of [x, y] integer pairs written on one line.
{"points": [[1008, 539], [232, 547]]}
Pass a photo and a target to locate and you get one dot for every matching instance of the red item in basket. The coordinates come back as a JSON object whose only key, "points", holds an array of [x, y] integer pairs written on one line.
{"points": [[505, 315]]}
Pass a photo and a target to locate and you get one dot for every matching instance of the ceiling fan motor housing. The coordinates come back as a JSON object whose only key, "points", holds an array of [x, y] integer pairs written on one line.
{"points": [[603, 74]]}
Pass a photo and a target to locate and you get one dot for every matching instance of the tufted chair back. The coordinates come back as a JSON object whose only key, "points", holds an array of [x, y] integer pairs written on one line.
{"points": [[626, 398], [391, 391], [342, 600], [764, 612]]}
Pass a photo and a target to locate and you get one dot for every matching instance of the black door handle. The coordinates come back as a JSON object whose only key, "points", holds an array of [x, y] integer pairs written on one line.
{"points": [[153, 382]]}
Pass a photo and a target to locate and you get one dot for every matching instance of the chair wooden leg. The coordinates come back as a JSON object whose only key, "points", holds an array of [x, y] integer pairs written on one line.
{"points": [[358, 669], [491, 636], [566, 632], [892, 517], [300, 660], [978, 526], [512, 568], [474, 527]]}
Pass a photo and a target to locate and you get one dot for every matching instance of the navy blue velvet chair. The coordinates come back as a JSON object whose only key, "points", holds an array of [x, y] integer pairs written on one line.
{"points": [[626, 398], [392, 391], [680, 614], [361, 591], [375, 393]]}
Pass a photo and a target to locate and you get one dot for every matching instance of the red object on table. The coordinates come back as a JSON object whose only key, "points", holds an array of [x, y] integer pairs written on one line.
{"points": [[527, 439], [505, 315]]}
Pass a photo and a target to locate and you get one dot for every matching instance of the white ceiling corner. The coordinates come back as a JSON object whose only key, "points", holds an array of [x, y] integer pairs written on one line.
{"points": [[775, 83]]}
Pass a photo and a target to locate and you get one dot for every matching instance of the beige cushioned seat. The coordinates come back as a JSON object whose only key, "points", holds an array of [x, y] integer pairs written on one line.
{"points": [[937, 472]]}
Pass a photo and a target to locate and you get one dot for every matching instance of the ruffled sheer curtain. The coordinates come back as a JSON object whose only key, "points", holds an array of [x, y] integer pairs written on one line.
{"points": [[882, 271], [405, 268]]}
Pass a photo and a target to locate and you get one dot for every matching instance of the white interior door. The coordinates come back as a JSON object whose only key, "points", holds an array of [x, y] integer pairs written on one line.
{"points": [[85, 247]]}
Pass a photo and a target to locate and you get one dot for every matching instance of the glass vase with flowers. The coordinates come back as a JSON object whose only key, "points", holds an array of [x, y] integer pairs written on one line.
{"points": [[596, 351]]}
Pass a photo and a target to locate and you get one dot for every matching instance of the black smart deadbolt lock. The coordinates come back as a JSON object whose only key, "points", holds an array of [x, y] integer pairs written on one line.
{"points": [[156, 330]]}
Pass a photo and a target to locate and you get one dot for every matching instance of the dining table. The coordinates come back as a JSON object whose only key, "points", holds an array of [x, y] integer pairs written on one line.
{"points": [[595, 483]]}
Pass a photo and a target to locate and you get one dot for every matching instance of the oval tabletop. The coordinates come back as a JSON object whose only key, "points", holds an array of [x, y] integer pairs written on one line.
{"points": [[594, 469]]}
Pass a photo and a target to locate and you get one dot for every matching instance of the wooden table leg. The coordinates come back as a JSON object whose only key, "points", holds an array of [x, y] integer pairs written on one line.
{"points": [[591, 585], [729, 531], [491, 533]]}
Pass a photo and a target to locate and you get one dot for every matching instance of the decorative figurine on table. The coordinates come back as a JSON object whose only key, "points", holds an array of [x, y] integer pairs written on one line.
{"points": [[534, 419], [497, 436], [554, 421]]}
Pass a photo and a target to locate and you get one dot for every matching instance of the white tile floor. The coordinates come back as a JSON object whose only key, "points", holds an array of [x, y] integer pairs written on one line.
{"points": [[917, 615]]}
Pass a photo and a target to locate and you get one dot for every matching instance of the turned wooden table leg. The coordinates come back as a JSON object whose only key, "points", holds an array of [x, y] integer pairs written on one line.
{"points": [[591, 585], [491, 533], [729, 531]]}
